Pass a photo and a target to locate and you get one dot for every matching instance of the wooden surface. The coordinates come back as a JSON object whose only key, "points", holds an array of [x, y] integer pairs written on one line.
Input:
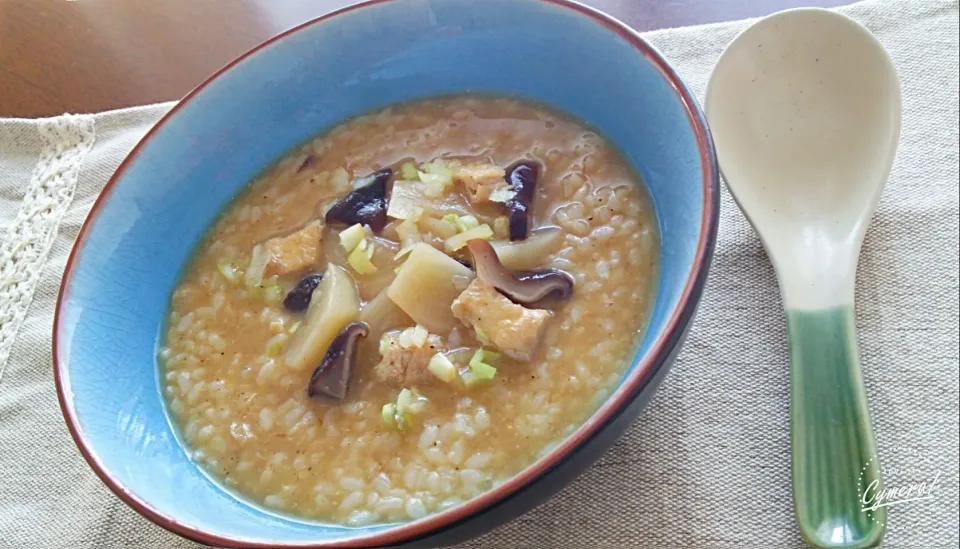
{"points": [[80, 56]]}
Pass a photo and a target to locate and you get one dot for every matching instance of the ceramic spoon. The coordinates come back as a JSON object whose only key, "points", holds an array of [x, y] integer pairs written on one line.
{"points": [[804, 107]]}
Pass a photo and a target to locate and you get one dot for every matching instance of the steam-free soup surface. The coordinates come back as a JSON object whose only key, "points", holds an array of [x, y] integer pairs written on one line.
{"points": [[413, 434]]}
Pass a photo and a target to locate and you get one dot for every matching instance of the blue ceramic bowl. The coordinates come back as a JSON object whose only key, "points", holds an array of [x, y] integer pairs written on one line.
{"points": [[163, 197]]}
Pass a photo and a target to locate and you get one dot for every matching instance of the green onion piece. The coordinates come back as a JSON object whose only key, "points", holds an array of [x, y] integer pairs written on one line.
{"points": [[293, 328], [351, 237], [389, 415], [482, 371], [409, 171], [438, 167], [404, 400], [467, 222], [451, 218], [477, 356], [229, 271], [441, 367], [435, 184], [359, 259], [491, 357], [458, 241]]}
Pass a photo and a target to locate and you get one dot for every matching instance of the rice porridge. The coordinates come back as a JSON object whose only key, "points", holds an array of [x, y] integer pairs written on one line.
{"points": [[409, 309]]}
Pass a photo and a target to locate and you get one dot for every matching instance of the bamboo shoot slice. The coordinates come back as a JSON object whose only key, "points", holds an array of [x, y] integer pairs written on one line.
{"points": [[425, 287], [333, 305]]}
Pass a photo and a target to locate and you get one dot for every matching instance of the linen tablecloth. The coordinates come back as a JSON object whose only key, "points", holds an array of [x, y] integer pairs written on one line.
{"points": [[708, 463]]}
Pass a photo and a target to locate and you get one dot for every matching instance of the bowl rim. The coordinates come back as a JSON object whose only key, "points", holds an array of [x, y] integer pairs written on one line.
{"points": [[645, 370]]}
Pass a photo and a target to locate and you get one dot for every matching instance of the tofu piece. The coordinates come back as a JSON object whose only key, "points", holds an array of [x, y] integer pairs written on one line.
{"points": [[293, 252], [481, 180], [511, 328], [407, 367]]}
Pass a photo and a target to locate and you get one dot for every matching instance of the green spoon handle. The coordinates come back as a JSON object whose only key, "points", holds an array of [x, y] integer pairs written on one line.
{"points": [[834, 456]]}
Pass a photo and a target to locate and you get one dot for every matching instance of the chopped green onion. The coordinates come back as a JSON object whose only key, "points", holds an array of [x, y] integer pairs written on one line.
{"points": [[409, 171], [438, 167], [477, 356], [229, 271], [487, 356], [404, 400], [458, 241], [389, 415], [293, 328], [351, 237], [481, 336], [433, 190], [451, 218], [491, 357], [467, 222], [441, 367], [419, 402], [482, 370], [435, 180], [359, 259]]}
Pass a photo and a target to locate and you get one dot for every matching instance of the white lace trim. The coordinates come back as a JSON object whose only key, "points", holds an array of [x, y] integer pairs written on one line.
{"points": [[23, 251]]}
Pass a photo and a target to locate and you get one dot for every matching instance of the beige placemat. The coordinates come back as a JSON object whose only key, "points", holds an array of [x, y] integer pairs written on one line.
{"points": [[707, 465]]}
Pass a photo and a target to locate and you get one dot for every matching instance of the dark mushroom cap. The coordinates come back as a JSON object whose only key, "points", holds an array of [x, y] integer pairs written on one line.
{"points": [[366, 205], [332, 376], [524, 287], [298, 298], [522, 178]]}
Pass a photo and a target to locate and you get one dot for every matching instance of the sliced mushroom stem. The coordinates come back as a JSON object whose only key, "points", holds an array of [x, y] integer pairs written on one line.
{"points": [[522, 178], [332, 376], [524, 287]]}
